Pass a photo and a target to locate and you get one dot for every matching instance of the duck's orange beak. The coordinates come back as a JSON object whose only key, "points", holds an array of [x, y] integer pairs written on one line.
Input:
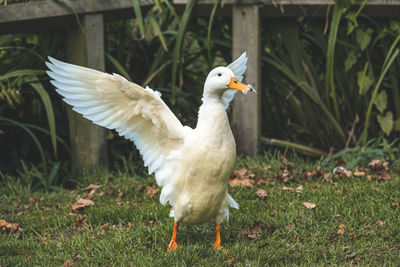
{"points": [[235, 84]]}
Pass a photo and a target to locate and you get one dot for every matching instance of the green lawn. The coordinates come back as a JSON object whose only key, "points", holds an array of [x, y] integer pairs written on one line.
{"points": [[355, 220]]}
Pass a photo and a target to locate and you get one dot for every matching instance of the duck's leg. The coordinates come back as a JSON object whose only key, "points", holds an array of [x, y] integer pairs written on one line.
{"points": [[217, 243], [173, 244]]}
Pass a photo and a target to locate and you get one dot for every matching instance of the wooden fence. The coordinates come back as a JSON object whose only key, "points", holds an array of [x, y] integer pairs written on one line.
{"points": [[88, 142]]}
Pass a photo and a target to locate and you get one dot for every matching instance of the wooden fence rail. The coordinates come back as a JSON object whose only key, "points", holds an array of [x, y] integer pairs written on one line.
{"points": [[88, 141]]}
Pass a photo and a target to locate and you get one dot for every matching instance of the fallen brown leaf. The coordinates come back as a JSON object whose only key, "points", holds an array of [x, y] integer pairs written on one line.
{"points": [[309, 174], [309, 205], [261, 181], [299, 189], [241, 182], [350, 256], [348, 173], [92, 188], [109, 191], [341, 229], [230, 261], [287, 188], [81, 221], [315, 235], [315, 187], [273, 212], [78, 256], [151, 191], [358, 173], [379, 223], [242, 177], [376, 163], [290, 226], [383, 175], [104, 230], [31, 199], [255, 230], [243, 173], [261, 193], [10, 226], [396, 203], [82, 203], [68, 263]]}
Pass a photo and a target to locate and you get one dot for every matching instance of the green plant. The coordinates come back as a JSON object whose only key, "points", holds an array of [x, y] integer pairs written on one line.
{"points": [[26, 108], [375, 149], [325, 79]]}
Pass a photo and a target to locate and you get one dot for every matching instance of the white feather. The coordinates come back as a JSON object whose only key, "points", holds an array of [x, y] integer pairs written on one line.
{"points": [[232, 202], [238, 67]]}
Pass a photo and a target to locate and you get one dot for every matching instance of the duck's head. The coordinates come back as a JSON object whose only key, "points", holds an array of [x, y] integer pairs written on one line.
{"points": [[221, 79]]}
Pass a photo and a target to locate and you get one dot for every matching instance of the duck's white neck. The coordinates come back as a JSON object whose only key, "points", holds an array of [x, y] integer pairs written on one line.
{"points": [[212, 96], [212, 112]]}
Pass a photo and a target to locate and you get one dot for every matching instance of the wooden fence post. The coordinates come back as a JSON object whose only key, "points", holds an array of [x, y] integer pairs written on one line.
{"points": [[246, 112], [88, 141]]}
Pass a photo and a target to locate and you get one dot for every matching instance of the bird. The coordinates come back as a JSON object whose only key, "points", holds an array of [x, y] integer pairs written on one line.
{"points": [[192, 166]]}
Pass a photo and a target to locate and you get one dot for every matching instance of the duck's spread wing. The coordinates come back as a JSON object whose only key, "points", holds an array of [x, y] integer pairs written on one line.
{"points": [[135, 112], [238, 67]]}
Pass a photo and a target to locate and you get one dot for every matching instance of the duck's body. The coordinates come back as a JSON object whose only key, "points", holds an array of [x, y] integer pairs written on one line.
{"points": [[203, 173], [191, 165]]}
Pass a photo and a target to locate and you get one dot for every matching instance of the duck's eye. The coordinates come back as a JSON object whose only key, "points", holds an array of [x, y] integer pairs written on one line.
{"points": [[235, 81], [219, 74]]}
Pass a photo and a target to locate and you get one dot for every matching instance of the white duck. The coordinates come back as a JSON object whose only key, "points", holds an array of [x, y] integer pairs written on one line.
{"points": [[191, 165]]}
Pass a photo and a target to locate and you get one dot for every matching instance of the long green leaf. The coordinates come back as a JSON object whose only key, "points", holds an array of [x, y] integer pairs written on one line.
{"points": [[18, 73], [329, 76], [392, 47], [32, 135], [139, 17], [376, 89], [178, 45], [118, 66], [171, 9], [23, 48], [35, 83], [210, 23], [157, 29], [43, 130], [308, 90]]}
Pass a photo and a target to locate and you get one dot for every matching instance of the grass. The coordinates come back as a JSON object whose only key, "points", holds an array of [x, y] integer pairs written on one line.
{"points": [[126, 226]]}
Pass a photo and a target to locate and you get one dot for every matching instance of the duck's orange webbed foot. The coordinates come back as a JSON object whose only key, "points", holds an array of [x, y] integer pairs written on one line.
{"points": [[217, 243], [173, 244]]}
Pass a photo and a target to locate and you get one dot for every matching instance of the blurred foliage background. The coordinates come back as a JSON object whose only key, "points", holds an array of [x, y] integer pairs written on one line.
{"points": [[330, 83]]}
